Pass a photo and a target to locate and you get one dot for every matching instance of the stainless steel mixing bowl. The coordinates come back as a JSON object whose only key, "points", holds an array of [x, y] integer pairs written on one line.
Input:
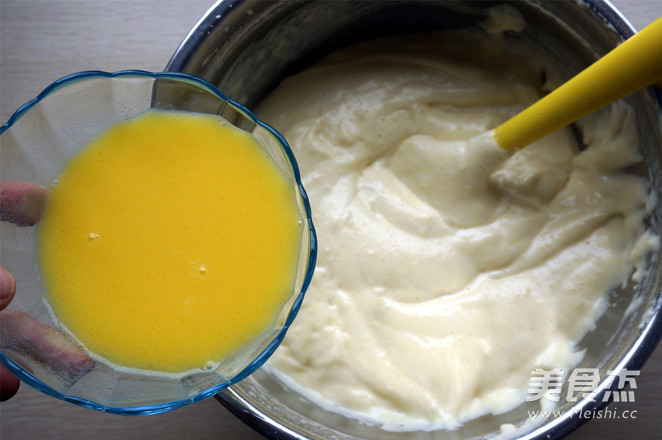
{"points": [[246, 48]]}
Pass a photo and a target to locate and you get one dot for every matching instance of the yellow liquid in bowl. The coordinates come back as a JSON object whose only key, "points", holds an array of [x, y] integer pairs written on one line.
{"points": [[169, 242]]}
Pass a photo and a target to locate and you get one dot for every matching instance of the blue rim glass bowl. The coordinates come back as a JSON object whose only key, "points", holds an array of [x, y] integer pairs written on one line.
{"points": [[246, 48], [35, 144]]}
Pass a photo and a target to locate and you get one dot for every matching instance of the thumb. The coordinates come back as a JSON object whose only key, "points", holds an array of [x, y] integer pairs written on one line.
{"points": [[7, 288]]}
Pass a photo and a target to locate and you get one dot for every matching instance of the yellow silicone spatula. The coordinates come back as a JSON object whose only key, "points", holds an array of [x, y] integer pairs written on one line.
{"points": [[633, 65]]}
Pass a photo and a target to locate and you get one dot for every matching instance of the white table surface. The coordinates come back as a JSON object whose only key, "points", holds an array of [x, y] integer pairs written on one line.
{"points": [[43, 40]]}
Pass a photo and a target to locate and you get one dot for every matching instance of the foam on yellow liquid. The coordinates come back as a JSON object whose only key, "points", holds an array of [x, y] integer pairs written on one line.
{"points": [[169, 242]]}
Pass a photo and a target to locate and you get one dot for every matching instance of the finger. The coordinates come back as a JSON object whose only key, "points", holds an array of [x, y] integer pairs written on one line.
{"points": [[7, 288], [23, 333], [21, 203], [9, 384]]}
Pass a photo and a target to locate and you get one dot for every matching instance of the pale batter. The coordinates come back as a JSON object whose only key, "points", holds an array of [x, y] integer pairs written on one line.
{"points": [[448, 268]]}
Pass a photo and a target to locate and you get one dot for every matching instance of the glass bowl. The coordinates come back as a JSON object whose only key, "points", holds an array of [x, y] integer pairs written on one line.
{"points": [[36, 142], [254, 45]]}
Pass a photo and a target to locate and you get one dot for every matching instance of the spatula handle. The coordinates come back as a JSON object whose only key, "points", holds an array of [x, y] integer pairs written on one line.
{"points": [[632, 66]]}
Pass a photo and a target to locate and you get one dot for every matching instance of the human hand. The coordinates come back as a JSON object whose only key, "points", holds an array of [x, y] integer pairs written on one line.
{"points": [[9, 384], [20, 203]]}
